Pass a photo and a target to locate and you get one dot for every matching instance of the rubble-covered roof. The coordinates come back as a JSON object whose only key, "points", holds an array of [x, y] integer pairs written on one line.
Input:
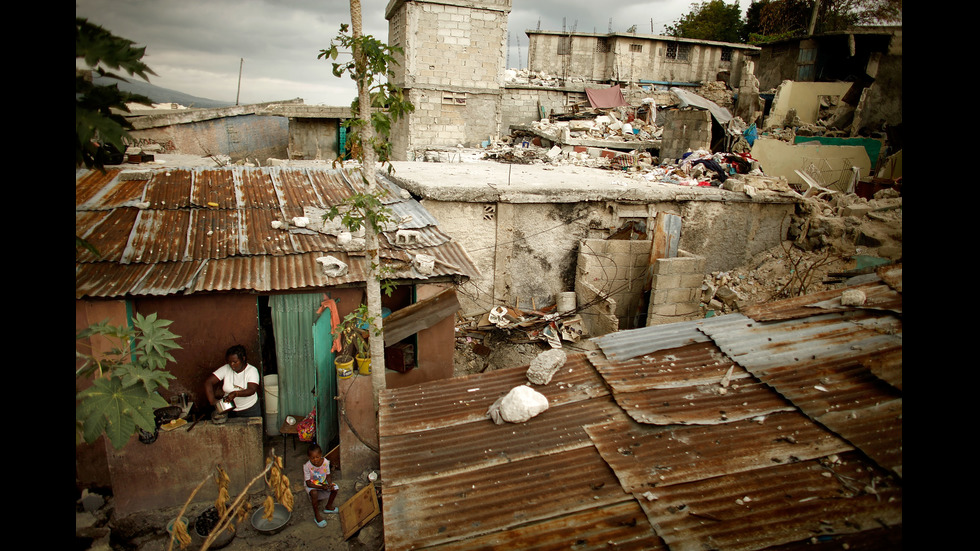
{"points": [[724, 433], [184, 230]]}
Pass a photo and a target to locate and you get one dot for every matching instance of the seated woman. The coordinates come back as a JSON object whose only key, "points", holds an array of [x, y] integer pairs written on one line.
{"points": [[238, 383]]}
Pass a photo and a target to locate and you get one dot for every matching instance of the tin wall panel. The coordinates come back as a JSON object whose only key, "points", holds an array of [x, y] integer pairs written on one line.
{"points": [[647, 457], [776, 505]]}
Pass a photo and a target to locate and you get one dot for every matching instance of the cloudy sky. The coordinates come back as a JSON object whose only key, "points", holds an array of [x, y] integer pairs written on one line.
{"points": [[197, 46]]}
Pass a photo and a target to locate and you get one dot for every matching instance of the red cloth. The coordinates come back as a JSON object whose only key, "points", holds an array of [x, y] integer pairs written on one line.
{"points": [[334, 319], [606, 97]]}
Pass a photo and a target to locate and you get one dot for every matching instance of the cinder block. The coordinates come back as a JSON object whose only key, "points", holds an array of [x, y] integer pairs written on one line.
{"points": [[665, 281]]}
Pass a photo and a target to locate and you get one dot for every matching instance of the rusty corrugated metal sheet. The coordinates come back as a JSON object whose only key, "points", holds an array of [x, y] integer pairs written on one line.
{"points": [[770, 460], [624, 345], [222, 218], [459, 400], [693, 384], [780, 504], [528, 493], [108, 279], [646, 457], [823, 365], [622, 526], [880, 297], [110, 229]]}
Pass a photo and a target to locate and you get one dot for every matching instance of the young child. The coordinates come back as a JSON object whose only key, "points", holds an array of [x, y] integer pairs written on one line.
{"points": [[319, 483]]}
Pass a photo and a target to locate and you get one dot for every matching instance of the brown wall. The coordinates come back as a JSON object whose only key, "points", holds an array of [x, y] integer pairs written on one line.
{"points": [[208, 325], [91, 467]]}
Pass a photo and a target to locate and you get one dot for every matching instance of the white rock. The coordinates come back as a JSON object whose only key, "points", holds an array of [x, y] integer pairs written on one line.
{"points": [[521, 404]]}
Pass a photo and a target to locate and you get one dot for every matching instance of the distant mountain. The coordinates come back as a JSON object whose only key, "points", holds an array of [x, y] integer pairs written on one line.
{"points": [[161, 95]]}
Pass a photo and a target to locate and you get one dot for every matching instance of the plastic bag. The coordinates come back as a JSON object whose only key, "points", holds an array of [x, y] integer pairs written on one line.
{"points": [[306, 429], [750, 134]]}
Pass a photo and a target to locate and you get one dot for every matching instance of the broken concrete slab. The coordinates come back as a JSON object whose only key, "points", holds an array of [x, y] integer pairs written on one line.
{"points": [[544, 366]]}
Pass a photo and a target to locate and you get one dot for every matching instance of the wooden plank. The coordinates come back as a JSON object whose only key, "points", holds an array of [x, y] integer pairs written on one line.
{"points": [[421, 315], [357, 511]]}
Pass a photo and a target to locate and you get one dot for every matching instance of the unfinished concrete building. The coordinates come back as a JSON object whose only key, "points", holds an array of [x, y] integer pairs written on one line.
{"points": [[634, 58], [452, 70]]}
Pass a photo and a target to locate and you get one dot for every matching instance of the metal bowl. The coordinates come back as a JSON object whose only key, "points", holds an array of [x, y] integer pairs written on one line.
{"points": [[280, 518]]}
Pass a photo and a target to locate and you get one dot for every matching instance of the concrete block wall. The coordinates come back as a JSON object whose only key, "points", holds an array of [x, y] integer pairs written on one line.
{"points": [[675, 286], [618, 269], [520, 105], [450, 44], [436, 122], [685, 129]]}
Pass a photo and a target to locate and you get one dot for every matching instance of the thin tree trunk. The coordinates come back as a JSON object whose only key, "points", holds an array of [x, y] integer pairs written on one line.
{"points": [[370, 235]]}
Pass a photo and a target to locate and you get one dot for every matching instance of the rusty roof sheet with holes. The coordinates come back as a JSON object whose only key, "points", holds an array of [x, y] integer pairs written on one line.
{"points": [[823, 365], [185, 230], [770, 462]]}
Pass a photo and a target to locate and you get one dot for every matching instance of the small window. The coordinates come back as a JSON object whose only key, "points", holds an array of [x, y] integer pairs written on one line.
{"points": [[602, 46], [565, 45], [454, 98], [679, 52], [726, 54], [636, 47]]}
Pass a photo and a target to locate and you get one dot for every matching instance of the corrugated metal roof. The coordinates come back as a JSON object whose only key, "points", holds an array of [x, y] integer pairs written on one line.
{"points": [[777, 504], [790, 453], [159, 232]]}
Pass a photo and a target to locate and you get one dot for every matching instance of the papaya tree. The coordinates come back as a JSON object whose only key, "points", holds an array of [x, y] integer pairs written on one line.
{"points": [[124, 379], [379, 103]]}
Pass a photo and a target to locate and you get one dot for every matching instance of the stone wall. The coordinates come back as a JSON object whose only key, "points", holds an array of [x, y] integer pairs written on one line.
{"points": [[685, 129]]}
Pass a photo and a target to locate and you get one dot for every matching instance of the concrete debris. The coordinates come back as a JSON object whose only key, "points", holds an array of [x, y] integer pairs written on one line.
{"points": [[545, 365], [332, 266], [518, 406], [853, 297]]}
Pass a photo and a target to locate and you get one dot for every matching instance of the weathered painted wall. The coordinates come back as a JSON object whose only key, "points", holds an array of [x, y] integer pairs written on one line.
{"points": [[243, 136], [314, 139], [804, 97], [91, 466], [529, 250], [831, 162], [164, 473]]}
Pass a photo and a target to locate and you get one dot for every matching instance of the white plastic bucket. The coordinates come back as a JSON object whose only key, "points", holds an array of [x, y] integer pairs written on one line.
{"points": [[565, 302], [271, 385], [272, 423]]}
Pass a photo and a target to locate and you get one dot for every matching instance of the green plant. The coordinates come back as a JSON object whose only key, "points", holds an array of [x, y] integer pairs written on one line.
{"points": [[387, 101], [95, 121], [125, 379], [350, 334]]}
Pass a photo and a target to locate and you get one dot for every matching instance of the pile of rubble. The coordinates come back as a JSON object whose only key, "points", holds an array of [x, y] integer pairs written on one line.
{"points": [[831, 242]]}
